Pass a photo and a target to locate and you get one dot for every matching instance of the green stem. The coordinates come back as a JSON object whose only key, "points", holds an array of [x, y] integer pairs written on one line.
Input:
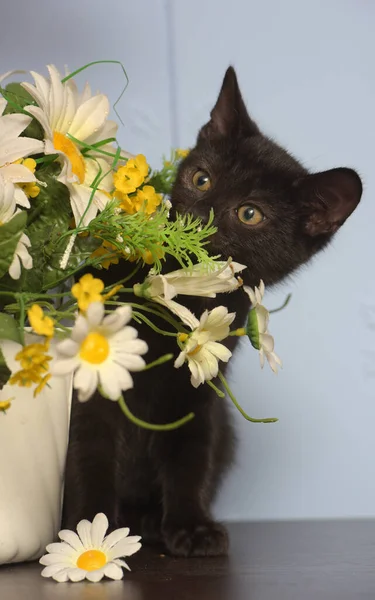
{"points": [[286, 302], [219, 392], [159, 361], [232, 397], [21, 304], [150, 426], [151, 324]]}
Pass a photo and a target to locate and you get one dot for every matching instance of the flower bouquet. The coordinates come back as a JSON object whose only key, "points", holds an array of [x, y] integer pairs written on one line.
{"points": [[71, 201]]}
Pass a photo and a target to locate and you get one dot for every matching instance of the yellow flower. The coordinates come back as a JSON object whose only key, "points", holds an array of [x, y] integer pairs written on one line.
{"points": [[180, 153], [146, 199], [41, 324], [88, 290], [106, 250], [41, 384], [30, 188], [25, 378], [129, 205], [33, 356], [34, 366], [112, 292], [129, 177], [5, 404]]}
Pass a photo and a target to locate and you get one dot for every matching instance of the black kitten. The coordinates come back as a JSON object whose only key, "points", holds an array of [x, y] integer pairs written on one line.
{"points": [[271, 215]]}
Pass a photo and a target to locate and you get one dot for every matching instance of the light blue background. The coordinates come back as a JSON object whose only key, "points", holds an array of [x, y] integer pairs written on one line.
{"points": [[307, 73]]}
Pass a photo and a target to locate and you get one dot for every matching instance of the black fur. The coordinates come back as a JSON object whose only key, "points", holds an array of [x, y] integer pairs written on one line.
{"points": [[162, 484]]}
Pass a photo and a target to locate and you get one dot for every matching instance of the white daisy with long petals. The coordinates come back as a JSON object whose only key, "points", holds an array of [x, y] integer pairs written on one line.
{"points": [[101, 351], [65, 114], [257, 328], [200, 280], [8, 210], [13, 148], [89, 553], [201, 349]]}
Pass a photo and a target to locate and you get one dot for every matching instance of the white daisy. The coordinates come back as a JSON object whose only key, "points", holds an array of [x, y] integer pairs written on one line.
{"points": [[90, 554], [101, 351], [202, 350], [63, 112], [7, 211], [200, 280], [13, 148], [257, 328]]}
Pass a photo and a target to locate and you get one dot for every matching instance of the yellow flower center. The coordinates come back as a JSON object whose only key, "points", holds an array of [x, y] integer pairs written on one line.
{"points": [[195, 351], [91, 560], [94, 348], [64, 144]]}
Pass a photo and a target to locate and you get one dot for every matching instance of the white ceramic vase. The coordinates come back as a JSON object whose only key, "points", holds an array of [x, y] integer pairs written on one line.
{"points": [[33, 444]]}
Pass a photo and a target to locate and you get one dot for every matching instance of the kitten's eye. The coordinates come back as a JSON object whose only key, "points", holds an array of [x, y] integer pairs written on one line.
{"points": [[250, 215], [202, 181]]}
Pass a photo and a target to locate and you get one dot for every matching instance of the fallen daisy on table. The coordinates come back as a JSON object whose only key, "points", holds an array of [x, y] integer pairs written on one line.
{"points": [[89, 553]]}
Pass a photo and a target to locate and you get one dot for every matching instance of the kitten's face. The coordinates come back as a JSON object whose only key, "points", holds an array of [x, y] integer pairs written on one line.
{"points": [[270, 213]]}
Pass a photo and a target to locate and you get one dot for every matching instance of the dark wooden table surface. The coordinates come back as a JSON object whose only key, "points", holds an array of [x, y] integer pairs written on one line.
{"points": [[333, 560]]}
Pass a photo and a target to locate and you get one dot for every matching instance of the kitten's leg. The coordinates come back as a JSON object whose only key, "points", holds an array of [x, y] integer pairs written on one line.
{"points": [[188, 473], [91, 463]]}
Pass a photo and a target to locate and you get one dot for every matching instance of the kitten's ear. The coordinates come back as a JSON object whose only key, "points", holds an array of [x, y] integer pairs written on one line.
{"points": [[229, 115], [329, 198]]}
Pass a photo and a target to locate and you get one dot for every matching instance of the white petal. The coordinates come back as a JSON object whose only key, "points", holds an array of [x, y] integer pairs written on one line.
{"points": [[19, 148], [180, 359], [120, 317], [113, 571], [20, 197], [124, 548], [12, 125], [41, 116], [17, 173], [76, 574], [131, 362], [15, 268], [80, 329], [53, 570], [95, 576], [250, 292], [67, 347], [114, 380], [61, 548], [267, 341], [86, 382], [219, 350], [61, 576], [53, 559], [262, 318], [94, 314], [114, 537], [62, 366], [121, 563], [84, 532], [89, 117], [82, 203], [98, 529], [71, 538]]}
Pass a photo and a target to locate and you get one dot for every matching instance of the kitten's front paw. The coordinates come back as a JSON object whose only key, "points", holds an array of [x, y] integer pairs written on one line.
{"points": [[204, 539]]}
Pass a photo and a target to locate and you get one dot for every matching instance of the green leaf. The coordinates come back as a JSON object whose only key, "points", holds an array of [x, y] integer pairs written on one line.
{"points": [[9, 328], [4, 371], [10, 234], [49, 218], [8, 331], [17, 99]]}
